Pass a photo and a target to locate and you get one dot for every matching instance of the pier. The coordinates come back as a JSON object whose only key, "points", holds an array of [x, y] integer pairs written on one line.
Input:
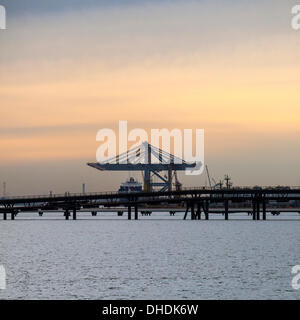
{"points": [[196, 203]]}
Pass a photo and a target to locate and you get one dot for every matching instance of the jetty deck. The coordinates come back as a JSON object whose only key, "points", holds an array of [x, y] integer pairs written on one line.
{"points": [[194, 202]]}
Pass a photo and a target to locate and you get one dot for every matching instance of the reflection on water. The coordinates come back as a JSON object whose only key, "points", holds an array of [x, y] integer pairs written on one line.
{"points": [[105, 258]]}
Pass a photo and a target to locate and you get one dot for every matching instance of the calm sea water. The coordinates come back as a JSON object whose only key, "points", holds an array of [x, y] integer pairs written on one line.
{"points": [[108, 257]]}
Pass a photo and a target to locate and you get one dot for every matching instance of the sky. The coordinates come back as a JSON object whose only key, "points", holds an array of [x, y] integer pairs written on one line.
{"points": [[69, 68]]}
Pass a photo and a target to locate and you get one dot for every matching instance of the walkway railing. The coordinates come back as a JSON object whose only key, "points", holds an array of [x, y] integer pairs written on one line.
{"points": [[201, 188]]}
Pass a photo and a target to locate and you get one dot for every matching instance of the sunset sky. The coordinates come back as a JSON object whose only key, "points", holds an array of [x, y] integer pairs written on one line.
{"points": [[70, 68]]}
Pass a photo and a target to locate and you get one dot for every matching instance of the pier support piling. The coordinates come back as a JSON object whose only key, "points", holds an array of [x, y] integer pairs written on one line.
{"points": [[206, 210], [136, 213], [254, 210], [12, 216], [74, 214], [4, 216], [129, 212], [264, 210], [198, 213], [226, 209], [193, 211], [258, 211], [67, 214], [186, 211]]}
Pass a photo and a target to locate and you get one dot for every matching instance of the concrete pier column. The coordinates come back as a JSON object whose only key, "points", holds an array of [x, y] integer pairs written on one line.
{"points": [[12, 216], [74, 214], [226, 209], [4, 216], [136, 213], [129, 213]]}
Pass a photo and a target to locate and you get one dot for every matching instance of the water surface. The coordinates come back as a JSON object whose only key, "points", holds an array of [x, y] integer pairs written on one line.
{"points": [[108, 257]]}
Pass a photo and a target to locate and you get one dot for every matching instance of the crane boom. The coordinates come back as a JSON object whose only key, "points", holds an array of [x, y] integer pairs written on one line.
{"points": [[207, 172]]}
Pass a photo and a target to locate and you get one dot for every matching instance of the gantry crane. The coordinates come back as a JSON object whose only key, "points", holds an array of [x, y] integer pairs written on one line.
{"points": [[151, 161]]}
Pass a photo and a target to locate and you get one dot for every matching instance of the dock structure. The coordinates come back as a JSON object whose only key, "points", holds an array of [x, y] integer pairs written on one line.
{"points": [[196, 203]]}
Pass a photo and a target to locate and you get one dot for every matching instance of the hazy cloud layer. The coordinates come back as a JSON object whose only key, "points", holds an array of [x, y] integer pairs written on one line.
{"points": [[69, 68]]}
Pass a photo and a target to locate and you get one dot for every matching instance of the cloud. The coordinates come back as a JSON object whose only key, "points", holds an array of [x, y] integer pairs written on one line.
{"points": [[122, 35], [19, 7], [230, 67]]}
